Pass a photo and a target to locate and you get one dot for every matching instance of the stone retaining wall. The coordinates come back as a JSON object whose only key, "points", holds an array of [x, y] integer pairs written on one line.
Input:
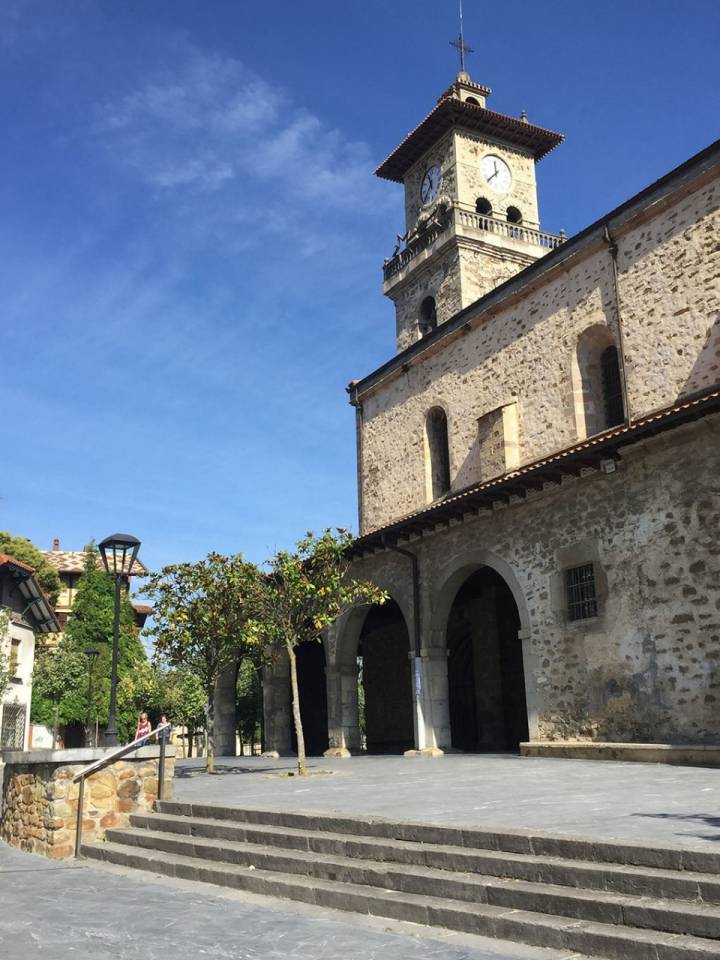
{"points": [[39, 798]]}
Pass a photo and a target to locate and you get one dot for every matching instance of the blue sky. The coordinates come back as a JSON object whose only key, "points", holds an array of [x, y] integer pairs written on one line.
{"points": [[191, 236]]}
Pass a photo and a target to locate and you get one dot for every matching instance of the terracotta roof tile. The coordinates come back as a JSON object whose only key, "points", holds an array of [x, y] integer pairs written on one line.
{"points": [[73, 561]]}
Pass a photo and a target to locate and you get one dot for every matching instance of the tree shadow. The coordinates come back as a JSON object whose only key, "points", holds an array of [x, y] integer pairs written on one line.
{"points": [[192, 773], [706, 819]]}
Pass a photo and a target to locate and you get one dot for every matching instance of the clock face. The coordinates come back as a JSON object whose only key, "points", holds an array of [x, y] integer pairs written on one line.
{"points": [[430, 186], [496, 172]]}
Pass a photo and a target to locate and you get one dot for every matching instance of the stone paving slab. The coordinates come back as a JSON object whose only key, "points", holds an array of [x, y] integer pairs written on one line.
{"points": [[642, 802], [74, 911]]}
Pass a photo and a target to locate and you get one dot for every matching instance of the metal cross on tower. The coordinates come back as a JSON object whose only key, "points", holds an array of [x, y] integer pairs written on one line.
{"points": [[459, 44]]}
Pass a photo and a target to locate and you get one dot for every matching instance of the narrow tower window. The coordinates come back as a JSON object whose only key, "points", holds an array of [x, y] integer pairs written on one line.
{"points": [[612, 387], [437, 453], [428, 316], [483, 206], [514, 215]]}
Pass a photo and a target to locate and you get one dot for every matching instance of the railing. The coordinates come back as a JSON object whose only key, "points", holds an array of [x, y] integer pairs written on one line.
{"points": [[422, 241], [516, 231], [106, 762], [477, 221]]}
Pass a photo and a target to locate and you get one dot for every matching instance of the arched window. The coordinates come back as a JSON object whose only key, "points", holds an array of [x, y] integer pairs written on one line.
{"points": [[472, 100], [437, 454], [483, 206], [612, 387], [597, 383], [514, 215], [428, 316]]}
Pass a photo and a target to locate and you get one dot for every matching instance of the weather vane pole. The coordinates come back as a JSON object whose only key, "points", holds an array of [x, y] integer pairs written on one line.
{"points": [[459, 44]]}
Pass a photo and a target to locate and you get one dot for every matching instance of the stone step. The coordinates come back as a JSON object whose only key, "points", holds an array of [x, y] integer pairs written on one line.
{"points": [[701, 920], [613, 878], [582, 936], [473, 838]]}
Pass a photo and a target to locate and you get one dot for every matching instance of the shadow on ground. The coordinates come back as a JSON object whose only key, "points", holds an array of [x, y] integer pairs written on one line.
{"points": [[708, 820]]}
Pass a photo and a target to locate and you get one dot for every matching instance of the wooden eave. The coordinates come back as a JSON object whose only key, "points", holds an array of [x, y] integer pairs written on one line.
{"points": [[451, 112], [571, 461]]}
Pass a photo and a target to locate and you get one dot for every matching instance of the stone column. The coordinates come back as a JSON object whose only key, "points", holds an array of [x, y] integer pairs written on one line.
{"points": [[343, 712], [225, 719], [276, 708], [437, 696], [422, 684]]}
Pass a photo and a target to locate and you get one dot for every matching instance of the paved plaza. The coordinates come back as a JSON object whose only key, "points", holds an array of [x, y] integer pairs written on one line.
{"points": [[649, 803], [81, 911]]}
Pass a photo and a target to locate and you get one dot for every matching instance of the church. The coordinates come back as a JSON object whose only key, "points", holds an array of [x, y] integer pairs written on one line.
{"points": [[538, 470]]}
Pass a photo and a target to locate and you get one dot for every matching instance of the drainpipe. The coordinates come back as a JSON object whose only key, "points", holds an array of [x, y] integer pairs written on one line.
{"points": [[357, 403], [613, 251], [421, 739]]}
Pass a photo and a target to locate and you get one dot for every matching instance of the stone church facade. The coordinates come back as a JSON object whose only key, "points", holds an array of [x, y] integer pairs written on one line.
{"points": [[538, 466]]}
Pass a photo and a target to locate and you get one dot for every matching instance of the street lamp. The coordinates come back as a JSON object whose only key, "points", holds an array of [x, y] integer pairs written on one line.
{"points": [[118, 553], [92, 654]]}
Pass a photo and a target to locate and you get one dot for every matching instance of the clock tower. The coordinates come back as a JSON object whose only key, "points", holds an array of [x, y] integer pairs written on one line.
{"points": [[471, 210]]}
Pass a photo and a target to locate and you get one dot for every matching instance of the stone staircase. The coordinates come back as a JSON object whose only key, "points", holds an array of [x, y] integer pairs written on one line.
{"points": [[604, 899]]}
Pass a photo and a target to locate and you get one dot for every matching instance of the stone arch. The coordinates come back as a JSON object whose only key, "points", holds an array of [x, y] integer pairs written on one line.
{"points": [[598, 404], [436, 448], [449, 580], [456, 571], [343, 681]]}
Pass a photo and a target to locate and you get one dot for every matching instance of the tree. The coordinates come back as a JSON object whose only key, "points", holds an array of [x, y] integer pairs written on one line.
{"points": [[61, 695], [4, 658], [304, 593], [45, 574], [183, 699], [202, 620]]}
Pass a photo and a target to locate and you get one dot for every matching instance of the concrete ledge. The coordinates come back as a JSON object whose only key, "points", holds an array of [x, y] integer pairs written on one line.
{"points": [[692, 755], [81, 755]]}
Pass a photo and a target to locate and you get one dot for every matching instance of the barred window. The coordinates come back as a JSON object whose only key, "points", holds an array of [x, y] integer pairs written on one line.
{"points": [[12, 734], [581, 596]]}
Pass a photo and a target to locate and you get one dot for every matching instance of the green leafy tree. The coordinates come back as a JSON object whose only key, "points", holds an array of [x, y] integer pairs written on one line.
{"points": [[183, 700], [305, 592], [61, 695], [45, 574], [4, 658], [60, 683], [202, 620]]}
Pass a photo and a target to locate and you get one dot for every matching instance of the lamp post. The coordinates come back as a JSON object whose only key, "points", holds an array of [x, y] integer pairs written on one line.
{"points": [[118, 553], [92, 654]]}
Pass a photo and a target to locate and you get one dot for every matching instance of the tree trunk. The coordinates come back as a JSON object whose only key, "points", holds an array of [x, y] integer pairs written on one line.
{"points": [[56, 726], [302, 770], [189, 737], [210, 731]]}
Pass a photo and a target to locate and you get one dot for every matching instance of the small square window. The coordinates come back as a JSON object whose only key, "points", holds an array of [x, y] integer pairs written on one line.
{"points": [[581, 596]]}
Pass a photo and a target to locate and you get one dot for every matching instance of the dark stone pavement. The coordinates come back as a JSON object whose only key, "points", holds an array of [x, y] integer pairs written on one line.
{"points": [[70, 911]]}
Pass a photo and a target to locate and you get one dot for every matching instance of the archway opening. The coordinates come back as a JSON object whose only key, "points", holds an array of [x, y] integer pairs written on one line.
{"points": [[312, 688], [483, 206], [384, 681], [486, 682]]}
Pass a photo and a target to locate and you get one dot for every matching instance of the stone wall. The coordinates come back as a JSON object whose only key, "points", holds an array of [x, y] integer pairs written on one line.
{"points": [[523, 348], [40, 800], [647, 667]]}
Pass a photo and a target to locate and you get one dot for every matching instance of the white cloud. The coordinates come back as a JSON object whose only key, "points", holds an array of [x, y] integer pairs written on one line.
{"points": [[212, 124]]}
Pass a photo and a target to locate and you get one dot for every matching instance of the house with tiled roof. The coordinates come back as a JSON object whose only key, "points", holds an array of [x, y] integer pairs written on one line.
{"points": [[70, 565], [26, 613]]}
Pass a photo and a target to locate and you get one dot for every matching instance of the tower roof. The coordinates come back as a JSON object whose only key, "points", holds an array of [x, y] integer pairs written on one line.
{"points": [[451, 112]]}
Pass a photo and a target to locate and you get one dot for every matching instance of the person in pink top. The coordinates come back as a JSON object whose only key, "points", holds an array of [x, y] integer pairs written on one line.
{"points": [[143, 729]]}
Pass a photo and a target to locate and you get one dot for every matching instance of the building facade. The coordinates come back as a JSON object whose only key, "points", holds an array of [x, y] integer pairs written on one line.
{"points": [[25, 612], [538, 465]]}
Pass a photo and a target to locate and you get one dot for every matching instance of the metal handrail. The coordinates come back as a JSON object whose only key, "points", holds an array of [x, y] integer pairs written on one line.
{"points": [[109, 759]]}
